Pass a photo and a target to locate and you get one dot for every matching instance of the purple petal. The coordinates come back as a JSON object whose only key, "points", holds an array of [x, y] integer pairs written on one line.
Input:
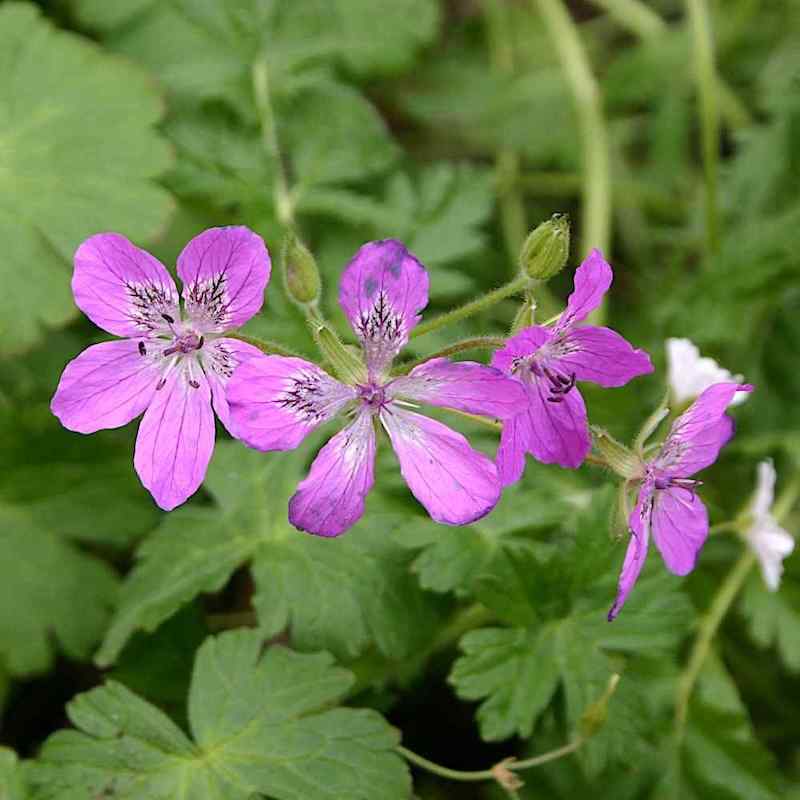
{"points": [[697, 436], [331, 499], [275, 402], [224, 273], [175, 440], [639, 522], [221, 357], [456, 484], [122, 289], [555, 433], [465, 385], [382, 292], [601, 356], [512, 449], [592, 280], [106, 386], [680, 527], [522, 345]]}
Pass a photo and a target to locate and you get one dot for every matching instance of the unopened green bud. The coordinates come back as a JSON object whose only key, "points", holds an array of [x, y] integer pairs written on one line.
{"points": [[300, 271], [596, 713], [544, 253], [620, 459], [344, 360]]}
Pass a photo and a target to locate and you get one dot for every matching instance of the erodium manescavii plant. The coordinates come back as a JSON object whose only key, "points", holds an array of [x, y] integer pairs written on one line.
{"points": [[327, 475]]}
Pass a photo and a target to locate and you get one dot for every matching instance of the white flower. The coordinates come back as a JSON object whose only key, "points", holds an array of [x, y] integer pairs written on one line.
{"points": [[690, 374], [766, 538]]}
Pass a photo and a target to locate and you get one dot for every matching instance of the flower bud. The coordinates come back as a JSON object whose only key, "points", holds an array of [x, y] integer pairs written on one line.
{"points": [[346, 364], [544, 253], [300, 271], [595, 714], [620, 459]]}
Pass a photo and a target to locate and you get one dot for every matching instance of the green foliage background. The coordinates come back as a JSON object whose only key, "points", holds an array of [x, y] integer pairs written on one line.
{"points": [[216, 652]]}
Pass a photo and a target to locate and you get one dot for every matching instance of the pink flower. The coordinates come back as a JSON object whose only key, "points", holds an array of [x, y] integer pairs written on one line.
{"points": [[668, 505], [548, 362], [173, 363], [276, 402]]}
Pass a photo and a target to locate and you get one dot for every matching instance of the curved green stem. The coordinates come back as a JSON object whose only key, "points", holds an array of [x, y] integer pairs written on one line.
{"points": [[594, 136], [468, 309], [703, 45], [284, 205], [476, 343], [642, 21], [264, 345], [503, 772], [705, 635]]}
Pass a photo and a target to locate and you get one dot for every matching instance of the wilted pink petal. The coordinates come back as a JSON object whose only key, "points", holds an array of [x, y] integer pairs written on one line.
{"points": [[106, 386], [122, 289], [383, 290], [175, 440], [224, 273], [465, 385], [275, 401], [592, 280], [680, 527], [697, 436], [601, 356], [331, 499], [222, 357], [456, 484], [636, 554]]}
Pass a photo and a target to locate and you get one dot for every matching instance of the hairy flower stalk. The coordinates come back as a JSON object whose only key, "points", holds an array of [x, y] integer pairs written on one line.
{"points": [[173, 363], [276, 402]]}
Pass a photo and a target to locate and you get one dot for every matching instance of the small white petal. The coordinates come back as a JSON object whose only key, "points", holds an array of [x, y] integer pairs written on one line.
{"points": [[690, 374], [768, 540]]}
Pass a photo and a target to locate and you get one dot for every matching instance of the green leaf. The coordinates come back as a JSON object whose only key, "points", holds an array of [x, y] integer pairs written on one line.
{"points": [[556, 603], [43, 581], [74, 160], [774, 617], [334, 135], [12, 786], [361, 585], [213, 43], [265, 723], [454, 558]]}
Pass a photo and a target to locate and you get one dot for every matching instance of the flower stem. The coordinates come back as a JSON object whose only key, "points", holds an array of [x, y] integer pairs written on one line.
{"points": [[705, 635], [468, 309], [264, 345], [642, 21], [495, 772], [282, 197], [476, 343], [507, 162], [706, 76], [594, 137]]}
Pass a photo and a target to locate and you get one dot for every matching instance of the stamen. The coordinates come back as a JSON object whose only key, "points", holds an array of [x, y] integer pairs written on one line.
{"points": [[201, 342], [167, 318], [194, 384], [142, 350], [160, 384]]}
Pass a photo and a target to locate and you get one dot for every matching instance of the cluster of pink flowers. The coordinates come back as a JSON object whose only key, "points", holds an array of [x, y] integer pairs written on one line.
{"points": [[176, 364]]}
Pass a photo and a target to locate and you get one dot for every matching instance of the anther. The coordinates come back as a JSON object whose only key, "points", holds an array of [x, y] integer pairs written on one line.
{"points": [[201, 342], [142, 350], [194, 384], [160, 384], [168, 318]]}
